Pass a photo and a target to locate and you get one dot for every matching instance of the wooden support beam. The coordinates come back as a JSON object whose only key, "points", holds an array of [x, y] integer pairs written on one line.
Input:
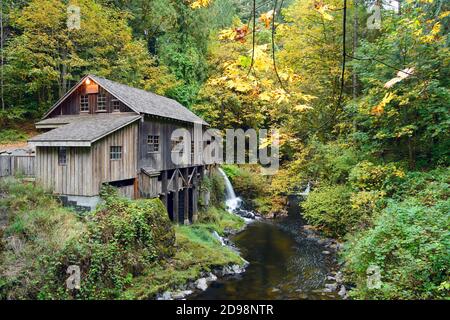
{"points": [[186, 196], [176, 217], [164, 189], [195, 190], [136, 188]]}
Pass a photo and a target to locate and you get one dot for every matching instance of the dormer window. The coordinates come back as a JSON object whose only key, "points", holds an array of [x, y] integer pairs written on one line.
{"points": [[115, 105], [84, 103], [101, 102]]}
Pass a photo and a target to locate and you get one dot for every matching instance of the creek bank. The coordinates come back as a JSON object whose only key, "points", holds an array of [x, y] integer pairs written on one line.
{"points": [[334, 280], [182, 291]]}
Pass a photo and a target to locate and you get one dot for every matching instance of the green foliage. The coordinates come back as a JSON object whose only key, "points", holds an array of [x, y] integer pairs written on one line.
{"points": [[231, 170], [37, 227], [409, 243], [123, 239], [216, 187], [329, 208], [111, 245], [44, 58], [11, 135], [220, 220], [368, 176], [197, 251]]}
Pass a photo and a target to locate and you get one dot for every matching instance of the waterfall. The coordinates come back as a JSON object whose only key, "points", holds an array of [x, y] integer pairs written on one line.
{"points": [[232, 201], [305, 192]]}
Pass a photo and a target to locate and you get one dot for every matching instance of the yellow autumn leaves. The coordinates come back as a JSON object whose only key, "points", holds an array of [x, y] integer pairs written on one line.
{"points": [[197, 4]]}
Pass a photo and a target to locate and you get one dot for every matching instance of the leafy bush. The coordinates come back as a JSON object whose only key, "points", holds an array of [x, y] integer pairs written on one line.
{"points": [[216, 187], [123, 239], [36, 226], [330, 209], [368, 176], [111, 246], [409, 243], [11, 135], [220, 220]]}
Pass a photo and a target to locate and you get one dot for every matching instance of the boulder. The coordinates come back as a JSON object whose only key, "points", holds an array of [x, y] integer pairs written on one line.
{"points": [[181, 294], [201, 284]]}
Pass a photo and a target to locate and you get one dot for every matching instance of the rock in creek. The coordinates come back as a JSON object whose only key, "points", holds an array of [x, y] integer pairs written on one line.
{"points": [[201, 284], [343, 292]]}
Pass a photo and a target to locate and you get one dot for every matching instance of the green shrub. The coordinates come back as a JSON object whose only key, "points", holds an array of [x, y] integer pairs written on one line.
{"points": [[369, 176], [231, 170], [197, 251], [12, 135], [40, 227], [330, 209], [123, 239], [250, 184], [218, 219], [216, 187], [409, 243], [112, 245]]}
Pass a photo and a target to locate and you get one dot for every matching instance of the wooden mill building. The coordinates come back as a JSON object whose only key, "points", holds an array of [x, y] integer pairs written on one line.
{"points": [[103, 132]]}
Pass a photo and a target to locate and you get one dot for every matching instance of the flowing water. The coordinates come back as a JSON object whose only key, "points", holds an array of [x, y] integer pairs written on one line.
{"points": [[284, 264]]}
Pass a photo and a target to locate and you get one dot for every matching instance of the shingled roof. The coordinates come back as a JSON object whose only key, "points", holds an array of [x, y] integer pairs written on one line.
{"points": [[148, 102], [83, 131], [140, 101]]}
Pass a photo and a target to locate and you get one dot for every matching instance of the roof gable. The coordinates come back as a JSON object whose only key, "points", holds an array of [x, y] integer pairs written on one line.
{"points": [[140, 101]]}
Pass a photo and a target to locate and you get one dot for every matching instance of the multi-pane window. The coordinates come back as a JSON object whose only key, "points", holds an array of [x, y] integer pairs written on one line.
{"points": [[153, 144], [192, 150], [101, 102], [115, 105], [62, 156], [115, 153], [84, 103]]}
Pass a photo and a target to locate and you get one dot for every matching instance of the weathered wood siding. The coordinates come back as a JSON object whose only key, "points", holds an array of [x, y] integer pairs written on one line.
{"points": [[88, 168], [106, 170], [74, 178], [149, 187], [162, 160], [71, 105]]}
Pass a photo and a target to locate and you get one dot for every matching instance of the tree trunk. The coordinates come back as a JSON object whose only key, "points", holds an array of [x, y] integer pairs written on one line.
{"points": [[355, 46], [2, 36]]}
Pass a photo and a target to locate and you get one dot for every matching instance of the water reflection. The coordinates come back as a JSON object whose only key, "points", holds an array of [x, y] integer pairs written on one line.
{"points": [[283, 265]]}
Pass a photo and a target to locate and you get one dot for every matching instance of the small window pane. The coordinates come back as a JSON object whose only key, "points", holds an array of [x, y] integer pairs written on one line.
{"points": [[101, 102], [153, 143], [116, 153], [62, 156], [115, 105], [84, 103]]}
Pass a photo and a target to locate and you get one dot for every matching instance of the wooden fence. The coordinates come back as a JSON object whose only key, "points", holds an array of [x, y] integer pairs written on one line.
{"points": [[14, 164]]}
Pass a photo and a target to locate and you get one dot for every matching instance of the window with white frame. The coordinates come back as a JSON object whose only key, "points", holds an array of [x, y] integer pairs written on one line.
{"points": [[153, 143], [101, 102], [115, 153], [84, 103]]}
